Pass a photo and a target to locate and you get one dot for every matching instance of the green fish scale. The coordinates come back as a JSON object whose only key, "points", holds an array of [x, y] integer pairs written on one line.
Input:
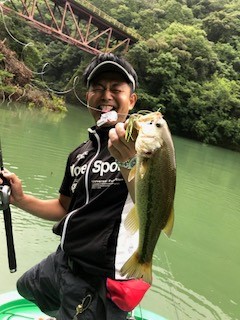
{"points": [[154, 203]]}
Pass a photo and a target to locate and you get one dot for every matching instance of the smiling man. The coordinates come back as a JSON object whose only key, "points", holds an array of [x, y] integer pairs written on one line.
{"points": [[111, 86], [81, 280]]}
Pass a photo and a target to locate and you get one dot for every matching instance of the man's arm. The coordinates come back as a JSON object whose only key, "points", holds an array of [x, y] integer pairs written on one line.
{"points": [[122, 151], [53, 209]]}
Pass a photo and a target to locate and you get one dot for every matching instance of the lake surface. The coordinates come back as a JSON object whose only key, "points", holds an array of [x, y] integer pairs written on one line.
{"points": [[196, 272]]}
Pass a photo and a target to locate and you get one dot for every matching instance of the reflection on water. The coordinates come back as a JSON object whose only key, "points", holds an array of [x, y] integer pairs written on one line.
{"points": [[177, 301], [195, 272]]}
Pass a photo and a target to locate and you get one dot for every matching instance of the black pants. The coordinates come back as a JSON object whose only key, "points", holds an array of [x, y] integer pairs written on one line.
{"points": [[57, 291]]}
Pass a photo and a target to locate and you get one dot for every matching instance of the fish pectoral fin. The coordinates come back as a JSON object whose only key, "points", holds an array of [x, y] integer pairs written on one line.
{"points": [[131, 222], [169, 226], [143, 169], [132, 174]]}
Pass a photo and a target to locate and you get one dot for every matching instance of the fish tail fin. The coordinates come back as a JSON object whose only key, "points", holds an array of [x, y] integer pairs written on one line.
{"points": [[134, 269]]}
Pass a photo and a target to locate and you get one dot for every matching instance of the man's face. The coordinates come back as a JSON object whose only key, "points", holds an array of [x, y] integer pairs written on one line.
{"points": [[110, 92]]}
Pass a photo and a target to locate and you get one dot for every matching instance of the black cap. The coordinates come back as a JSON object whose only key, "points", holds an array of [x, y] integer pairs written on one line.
{"points": [[108, 66], [108, 62]]}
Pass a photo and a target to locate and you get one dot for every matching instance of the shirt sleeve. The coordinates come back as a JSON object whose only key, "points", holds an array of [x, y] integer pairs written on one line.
{"points": [[65, 188]]}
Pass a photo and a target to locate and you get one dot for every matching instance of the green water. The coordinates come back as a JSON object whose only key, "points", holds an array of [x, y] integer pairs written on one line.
{"points": [[196, 272]]}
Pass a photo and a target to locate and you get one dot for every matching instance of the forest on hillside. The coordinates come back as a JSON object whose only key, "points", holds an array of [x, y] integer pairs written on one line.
{"points": [[188, 63]]}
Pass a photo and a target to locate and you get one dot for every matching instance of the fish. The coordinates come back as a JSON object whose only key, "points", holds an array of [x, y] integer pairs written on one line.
{"points": [[155, 183]]}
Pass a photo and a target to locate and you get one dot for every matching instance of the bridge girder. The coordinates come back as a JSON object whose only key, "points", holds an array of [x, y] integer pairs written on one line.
{"points": [[76, 22]]}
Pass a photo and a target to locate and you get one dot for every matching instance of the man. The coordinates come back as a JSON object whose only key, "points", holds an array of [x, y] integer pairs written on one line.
{"points": [[95, 197]]}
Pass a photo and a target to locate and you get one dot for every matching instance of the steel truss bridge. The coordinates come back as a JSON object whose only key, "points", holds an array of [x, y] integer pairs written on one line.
{"points": [[76, 22]]}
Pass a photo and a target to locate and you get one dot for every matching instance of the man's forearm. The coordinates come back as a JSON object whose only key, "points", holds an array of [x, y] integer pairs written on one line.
{"points": [[45, 209]]}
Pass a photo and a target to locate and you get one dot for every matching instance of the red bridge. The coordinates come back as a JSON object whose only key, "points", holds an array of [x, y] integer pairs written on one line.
{"points": [[76, 22]]}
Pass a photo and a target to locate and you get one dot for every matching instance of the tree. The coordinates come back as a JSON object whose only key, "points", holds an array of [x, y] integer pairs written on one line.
{"points": [[213, 113], [188, 65], [223, 25]]}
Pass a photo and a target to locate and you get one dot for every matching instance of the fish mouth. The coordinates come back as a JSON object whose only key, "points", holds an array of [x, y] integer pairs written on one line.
{"points": [[148, 154], [145, 154]]}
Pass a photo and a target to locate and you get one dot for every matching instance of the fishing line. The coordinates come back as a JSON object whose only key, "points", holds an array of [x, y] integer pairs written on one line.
{"points": [[132, 314], [45, 83], [141, 314], [3, 97], [20, 97], [170, 270], [25, 45], [44, 71], [22, 57], [87, 104], [9, 33], [30, 44], [75, 93], [10, 98]]}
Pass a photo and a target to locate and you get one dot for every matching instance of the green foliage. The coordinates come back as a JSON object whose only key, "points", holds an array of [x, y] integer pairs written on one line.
{"points": [[4, 77], [212, 112], [63, 60], [196, 80], [58, 103], [223, 25], [188, 65]]}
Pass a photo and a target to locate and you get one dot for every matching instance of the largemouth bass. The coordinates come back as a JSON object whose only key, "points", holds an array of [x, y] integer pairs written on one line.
{"points": [[155, 180]]}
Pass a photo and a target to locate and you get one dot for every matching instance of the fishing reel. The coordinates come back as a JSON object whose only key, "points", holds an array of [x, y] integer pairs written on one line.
{"points": [[5, 192]]}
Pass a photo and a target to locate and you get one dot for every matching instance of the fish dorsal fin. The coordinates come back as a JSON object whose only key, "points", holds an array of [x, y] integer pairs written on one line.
{"points": [[131, 222], [132, 174], [169, 226]]}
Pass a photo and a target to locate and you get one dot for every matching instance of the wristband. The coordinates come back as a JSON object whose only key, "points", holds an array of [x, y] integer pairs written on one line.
{"points": [[129, 164]]}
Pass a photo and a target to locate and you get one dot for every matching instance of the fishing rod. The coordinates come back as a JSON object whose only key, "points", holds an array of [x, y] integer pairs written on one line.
{"points": [[5, 191]]}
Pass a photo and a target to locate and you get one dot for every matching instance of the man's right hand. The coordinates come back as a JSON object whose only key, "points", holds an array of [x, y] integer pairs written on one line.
{"points": [[15, 184]]}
